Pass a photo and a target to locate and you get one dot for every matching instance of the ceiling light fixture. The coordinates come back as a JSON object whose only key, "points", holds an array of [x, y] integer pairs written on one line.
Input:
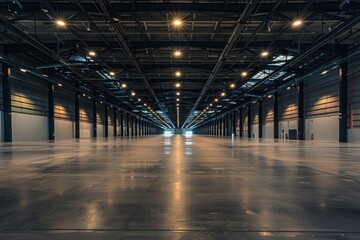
{"points": [[60, 23], [177, 22], [92, 53], [244, 74], [23, 70], [112, 74], [216, 100], [123, 85], [264, 53], [177, 73], [297, 23], [232, 85], [133, 93], [178, 94], [223, 94], [59, 84], [177, 85], [177, 53]]}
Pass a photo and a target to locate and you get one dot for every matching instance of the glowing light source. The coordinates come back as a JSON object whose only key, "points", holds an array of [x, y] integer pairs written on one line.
{"points": [[264, 53], [23, 70], [177, 73], [177, 22], [324, 72], [178, 94], [216, 100], [92, 53], [133, 93], [178, 99], [223, 94], [297, 23], [60, 23], [59, 84], [123, 85], [244, 74], [232, 85], [112, 74], [139, 99], [177, 53], [177, 85]]}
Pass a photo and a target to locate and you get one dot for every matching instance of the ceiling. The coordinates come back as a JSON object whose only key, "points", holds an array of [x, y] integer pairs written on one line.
{"points": [[218, 41]]}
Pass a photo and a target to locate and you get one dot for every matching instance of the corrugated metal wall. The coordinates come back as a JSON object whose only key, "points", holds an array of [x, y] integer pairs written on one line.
{"points": [[321, 95], [28, 94], [268, 110], [354, 92], [288, 109], [64, 104], [85, 109], [254, 113]]}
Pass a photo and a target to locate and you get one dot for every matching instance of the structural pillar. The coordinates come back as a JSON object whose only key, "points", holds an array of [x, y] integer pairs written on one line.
{"points": [[234, 123], [115, 122], [276, 116], [343, 92], [51, 121], [7, 125], [106, 122], [127, 125], [260, 119], [121, 123], [77, 116], [241, 123], [301, 114], [249, 122], [94, 119]]}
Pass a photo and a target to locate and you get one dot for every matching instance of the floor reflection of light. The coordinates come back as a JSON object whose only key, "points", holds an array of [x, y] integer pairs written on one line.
{"points": [[92, 218]]}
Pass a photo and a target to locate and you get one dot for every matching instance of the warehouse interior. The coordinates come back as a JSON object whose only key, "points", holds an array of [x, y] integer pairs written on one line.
{"points": [[179, 119]]}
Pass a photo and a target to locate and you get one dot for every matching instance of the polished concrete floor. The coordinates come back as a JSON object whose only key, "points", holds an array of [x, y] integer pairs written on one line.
{"points": [[179, 188]]}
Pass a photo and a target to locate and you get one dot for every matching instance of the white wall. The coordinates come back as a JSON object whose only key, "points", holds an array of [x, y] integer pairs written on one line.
{"points": [[323, 129], [100, 130], [255, 131], [85, 130], [111, 131], [354, 135], [26, 127], [285, 126], [64, 129], [269, 130]]}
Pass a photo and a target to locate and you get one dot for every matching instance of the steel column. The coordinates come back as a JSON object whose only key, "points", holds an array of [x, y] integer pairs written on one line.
{"points": [[77, 116], [301, 114], [241, 123], [7, 124], [343, 95], [51, 121], [94, 119], [234, 122], [260, 119], [127, 125], [276, 116], [106, 122], [249, 122], [115, 122], [121, 123]]}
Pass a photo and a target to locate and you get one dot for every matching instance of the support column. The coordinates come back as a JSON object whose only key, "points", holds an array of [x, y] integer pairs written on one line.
{"points": [[77, 116], [241, 123], [51, 121], [121, 123], [301, 114], [106, 122], [94, 120], [136, 126], [249, 122], [234, 122], [276, 116], [115, 122], [132, 125], [223, 126], [343, 111], [260, 119], [7, 124], [127, 125]]}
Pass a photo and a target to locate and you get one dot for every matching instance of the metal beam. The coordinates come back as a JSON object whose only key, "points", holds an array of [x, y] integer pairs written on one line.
{"points": [[238, 29]]}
